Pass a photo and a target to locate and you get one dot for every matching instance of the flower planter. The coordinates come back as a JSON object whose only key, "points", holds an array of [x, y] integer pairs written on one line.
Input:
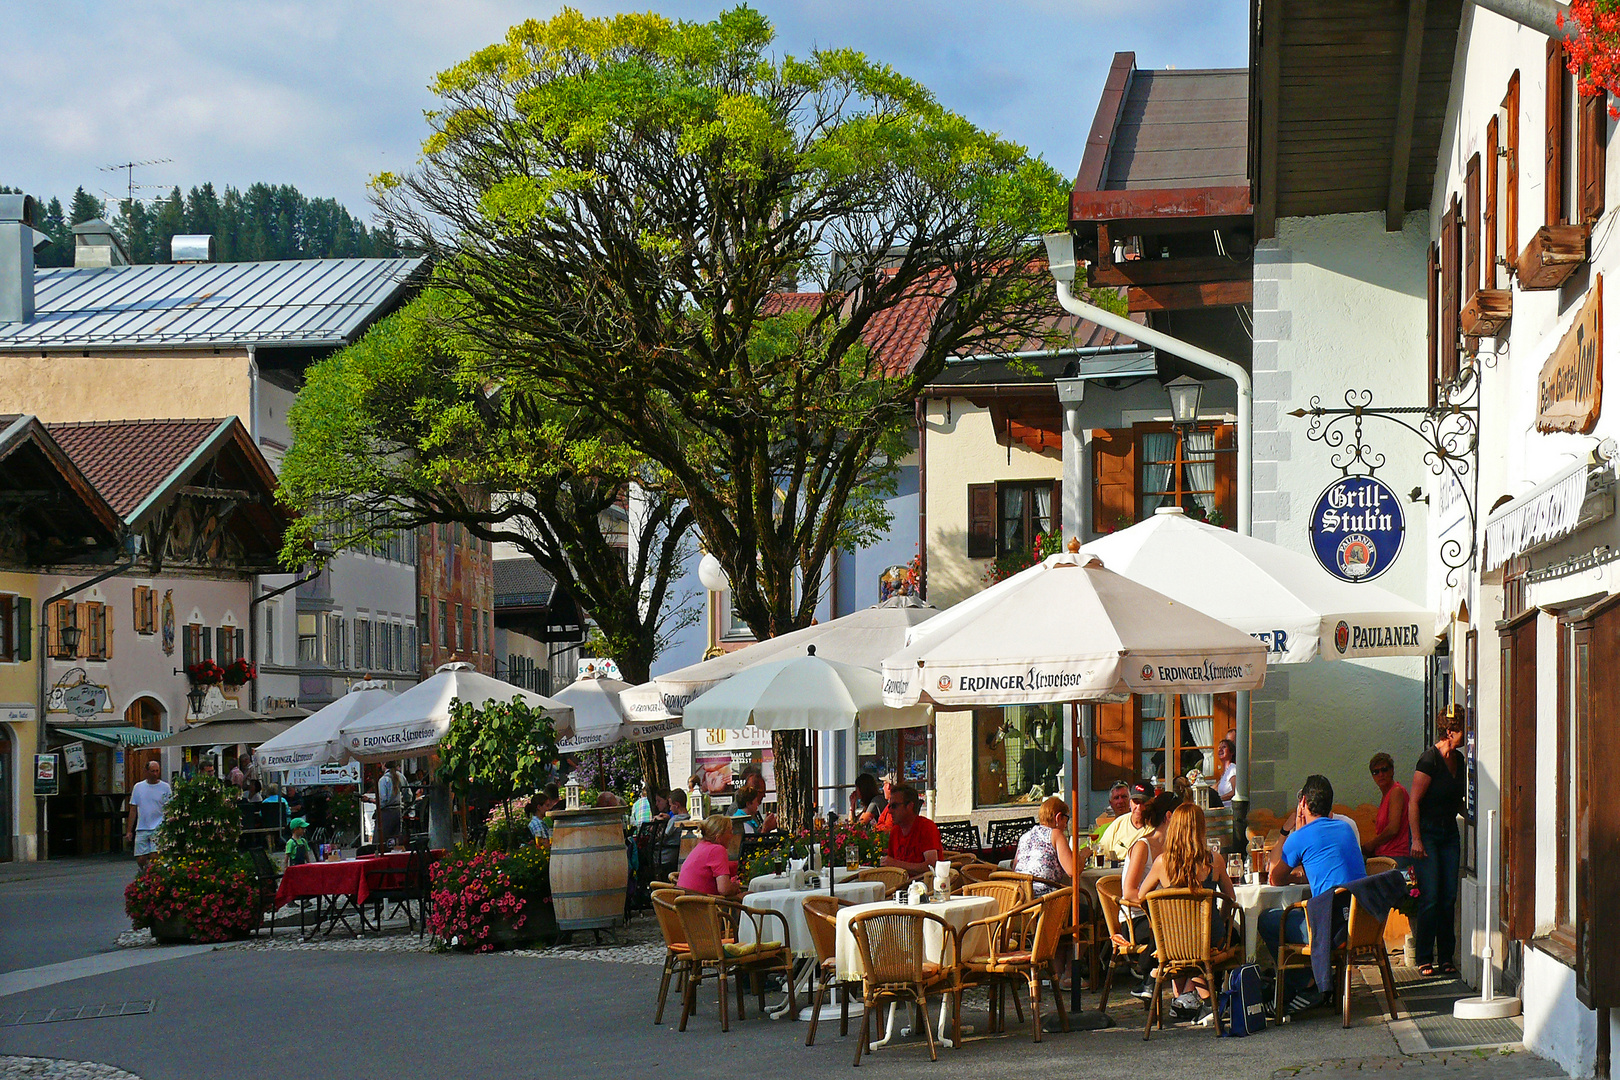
{"points": [[173, 931]]}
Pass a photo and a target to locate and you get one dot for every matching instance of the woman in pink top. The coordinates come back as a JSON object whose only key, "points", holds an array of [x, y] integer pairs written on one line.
{"points": [[708, 868], [1391, 836]]}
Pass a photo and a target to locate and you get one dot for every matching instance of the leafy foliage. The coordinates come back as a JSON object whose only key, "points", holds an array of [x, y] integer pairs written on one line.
{"points": [[868, 842], [216, 900], [614, 206], [507, 747], [201, 821], [475, 893], [1005, 566]]}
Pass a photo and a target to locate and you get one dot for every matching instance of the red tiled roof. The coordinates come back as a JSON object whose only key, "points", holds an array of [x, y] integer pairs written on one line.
{"points": [[783, 302], [126, 460]]}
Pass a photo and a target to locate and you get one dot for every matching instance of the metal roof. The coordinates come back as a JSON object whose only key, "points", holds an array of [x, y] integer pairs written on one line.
{"points": [[292, 302]]}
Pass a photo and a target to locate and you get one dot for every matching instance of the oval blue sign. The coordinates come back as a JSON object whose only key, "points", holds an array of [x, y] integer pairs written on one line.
{"points": [[1357, 528]]}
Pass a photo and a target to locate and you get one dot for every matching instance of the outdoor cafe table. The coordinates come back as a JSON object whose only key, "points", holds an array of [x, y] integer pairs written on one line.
{"points": [[789, 903], [1254, 899], [337, 887], [772, 882]]}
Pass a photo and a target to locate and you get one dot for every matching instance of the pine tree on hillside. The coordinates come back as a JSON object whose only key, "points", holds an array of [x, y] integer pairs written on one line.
{"points": [[84, 207]]}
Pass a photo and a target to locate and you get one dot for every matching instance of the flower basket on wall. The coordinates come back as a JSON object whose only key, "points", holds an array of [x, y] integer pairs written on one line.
{"points": [[205, 673], [1593, 52], [239, 672]]}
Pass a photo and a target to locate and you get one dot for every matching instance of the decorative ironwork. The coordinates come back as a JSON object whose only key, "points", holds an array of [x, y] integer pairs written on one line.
{"points": [[1450, 433]]}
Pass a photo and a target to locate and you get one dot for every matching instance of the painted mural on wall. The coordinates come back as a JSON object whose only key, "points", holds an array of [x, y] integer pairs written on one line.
{"points": [[168, 622], [76, 695]]}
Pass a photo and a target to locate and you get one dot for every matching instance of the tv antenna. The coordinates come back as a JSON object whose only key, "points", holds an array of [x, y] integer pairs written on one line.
{"points": [[129, 168]]}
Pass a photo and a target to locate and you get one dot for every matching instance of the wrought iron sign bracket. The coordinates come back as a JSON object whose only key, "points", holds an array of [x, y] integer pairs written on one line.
{"points": [[1450, 434]]}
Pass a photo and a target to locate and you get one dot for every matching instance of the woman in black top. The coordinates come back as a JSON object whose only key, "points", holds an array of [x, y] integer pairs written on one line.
{"points": [[866, 802], [1438, 788]]}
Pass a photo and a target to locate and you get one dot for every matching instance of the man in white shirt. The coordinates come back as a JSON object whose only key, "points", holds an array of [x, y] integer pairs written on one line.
{"points": [[1115, 842], [146, 803]]}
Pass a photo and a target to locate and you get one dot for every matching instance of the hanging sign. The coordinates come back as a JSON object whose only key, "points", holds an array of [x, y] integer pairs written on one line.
{"points": [[1569, 393], [73, 757], [46, 777], [1357, 528]]}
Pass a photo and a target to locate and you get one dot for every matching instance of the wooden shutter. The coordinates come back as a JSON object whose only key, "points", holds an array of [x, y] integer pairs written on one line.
{"points": [[1115, 729], [1490, 221], [188, 645], [81, 619], [1434, 320], [1450, 289], [1553, 179], [1471, 243], [240, 642], [1113, 478], [1597, 881], [1226, 474], [1519, 776], [981, 523], [1594, 130], [1057, 510], [1510, 197], [104, 621], [25, 628]]}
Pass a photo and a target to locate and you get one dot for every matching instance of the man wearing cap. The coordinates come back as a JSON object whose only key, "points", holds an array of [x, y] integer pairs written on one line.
{"points": [[298, 849], [1127, 829]]}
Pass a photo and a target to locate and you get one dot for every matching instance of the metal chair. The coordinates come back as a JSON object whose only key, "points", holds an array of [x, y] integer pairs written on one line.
{"points": [[892, 878], [1183, 924], [709, 924], [1008, 959], [895, 968], [1003, 837], [265, 882], [1129, 954], [821, 916], [414, 888], [960, 836]]}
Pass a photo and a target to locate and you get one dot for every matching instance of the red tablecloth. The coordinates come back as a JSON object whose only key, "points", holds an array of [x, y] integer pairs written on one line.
{"points": [[351, 877]]}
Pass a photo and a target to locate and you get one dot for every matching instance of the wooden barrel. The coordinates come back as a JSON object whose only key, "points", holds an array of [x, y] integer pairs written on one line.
{"points": [[589, 868]]}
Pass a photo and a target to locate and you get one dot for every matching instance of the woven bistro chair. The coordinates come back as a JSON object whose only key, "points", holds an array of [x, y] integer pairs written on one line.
{"points": [[895, 969], [1379, 864], [1294, 955], [1365, 943], [1109, 890], [821, 916], [1184, 926], [892, 878], [975, 872], [709, 924], [1006, 962], [677, 953]]}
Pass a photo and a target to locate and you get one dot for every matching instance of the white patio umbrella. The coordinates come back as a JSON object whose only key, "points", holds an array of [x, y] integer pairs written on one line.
{"points": [[415, 721], [1068, 630], [313, 741], [1278, 595], [861, 638], [602, 718], [801, 692]]}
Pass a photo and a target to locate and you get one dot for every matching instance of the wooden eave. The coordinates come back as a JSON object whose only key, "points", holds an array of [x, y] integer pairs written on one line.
{"points": [[1147, 210]]}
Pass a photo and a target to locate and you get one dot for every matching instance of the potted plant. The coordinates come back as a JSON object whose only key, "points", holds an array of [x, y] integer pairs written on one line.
{"points": [[205, 673], [200, 887], [238, 672]]}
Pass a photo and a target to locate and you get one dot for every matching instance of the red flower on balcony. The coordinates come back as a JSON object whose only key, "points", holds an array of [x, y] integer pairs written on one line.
{"points": [[1593, 52], [205, 673], [240, 671]]}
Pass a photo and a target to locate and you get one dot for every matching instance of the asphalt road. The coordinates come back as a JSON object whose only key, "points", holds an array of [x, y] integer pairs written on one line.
{"points": [[50, 912]]}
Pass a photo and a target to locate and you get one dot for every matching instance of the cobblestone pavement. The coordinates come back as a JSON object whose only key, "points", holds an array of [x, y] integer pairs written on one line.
{"points": [[54, 1069], [1457, 1065]]}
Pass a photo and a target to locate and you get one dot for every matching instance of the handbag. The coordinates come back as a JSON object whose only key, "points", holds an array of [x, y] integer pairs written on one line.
{"points": [[1243, 1002]]}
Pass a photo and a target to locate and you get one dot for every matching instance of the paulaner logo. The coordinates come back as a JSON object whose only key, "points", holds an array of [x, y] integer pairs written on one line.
{"points": [[1385, 637], [1207, 672]]}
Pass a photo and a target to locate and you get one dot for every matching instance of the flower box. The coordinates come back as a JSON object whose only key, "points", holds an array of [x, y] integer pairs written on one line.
{"points": [[1551, 255], [1487, 313]]}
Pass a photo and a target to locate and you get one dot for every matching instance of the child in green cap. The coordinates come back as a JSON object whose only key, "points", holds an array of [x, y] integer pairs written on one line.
{"points": [[298, 849]]}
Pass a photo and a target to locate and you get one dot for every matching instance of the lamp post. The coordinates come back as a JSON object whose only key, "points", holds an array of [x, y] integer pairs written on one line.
{"points": [[1185, 393], [713, 578], [69, 635], [197, 697]]}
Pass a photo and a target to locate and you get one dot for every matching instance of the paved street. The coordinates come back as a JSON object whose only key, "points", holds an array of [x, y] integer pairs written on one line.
{"points": [[56, 911], [403, 1014]]}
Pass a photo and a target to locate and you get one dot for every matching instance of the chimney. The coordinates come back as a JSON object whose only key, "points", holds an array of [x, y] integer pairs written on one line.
{"points": [[95, 245], [18, 239], [198, 248]]}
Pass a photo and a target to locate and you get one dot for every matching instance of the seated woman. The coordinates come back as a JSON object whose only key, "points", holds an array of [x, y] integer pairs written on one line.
{"points": [[866, 802], [298, 849], [708, 868], [1043, 851], [1138, 861], [747, 815], [1186, 863]]}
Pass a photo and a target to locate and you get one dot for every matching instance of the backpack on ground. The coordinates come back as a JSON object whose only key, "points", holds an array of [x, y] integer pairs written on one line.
{"points": [[1243, 1002]]}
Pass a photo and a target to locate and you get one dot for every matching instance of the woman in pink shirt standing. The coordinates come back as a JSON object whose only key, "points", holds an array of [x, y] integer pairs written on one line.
{"points": [[1391, 835], [708, 868]]}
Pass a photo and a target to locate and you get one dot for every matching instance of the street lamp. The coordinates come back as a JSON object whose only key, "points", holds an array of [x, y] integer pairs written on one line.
{"points": [[712, 574], [198, 697], [69, 633], [1185, 394]]}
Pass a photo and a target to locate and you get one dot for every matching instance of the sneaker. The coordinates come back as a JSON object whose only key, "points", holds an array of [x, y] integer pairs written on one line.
{"points": [[1206, 1017], [1304, 1001], [1185, 1007], [1144, 990]]}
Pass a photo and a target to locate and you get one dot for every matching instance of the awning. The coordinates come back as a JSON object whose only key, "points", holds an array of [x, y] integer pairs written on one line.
{"points": [[113, 735], [1547, 512]]}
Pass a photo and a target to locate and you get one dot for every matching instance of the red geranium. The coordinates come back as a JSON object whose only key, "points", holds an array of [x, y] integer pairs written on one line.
{"points": [[1593, 52]]}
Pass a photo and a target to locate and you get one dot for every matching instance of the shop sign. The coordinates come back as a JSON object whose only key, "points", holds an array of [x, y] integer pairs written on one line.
{"points": [[1357, 527], [325, 775], [73, 757], [17, 714], [45, 774], [1569, 393]]}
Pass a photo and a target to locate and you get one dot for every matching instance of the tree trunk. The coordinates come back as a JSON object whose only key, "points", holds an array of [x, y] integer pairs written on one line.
{"points": [[654, 764], [795, 801]]}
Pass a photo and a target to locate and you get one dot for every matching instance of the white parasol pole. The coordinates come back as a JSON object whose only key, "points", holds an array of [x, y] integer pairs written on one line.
{"points": [[1487, 1006]]}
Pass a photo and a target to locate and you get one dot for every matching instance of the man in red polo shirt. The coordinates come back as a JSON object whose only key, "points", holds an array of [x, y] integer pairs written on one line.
{"points": [[914, 843]]}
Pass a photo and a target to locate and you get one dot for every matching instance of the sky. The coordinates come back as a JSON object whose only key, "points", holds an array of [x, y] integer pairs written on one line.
{"points": [[324, 94]]}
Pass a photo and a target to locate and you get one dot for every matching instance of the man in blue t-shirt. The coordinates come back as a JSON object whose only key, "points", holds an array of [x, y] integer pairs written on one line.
{"points": [[1326, 852]]}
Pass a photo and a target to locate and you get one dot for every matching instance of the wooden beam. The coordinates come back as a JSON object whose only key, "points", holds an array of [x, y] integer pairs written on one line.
{"points": [[1400, 160], [1267, 110], [1094, 163], [1205, 294], [1190, 202], [1172, 271]]}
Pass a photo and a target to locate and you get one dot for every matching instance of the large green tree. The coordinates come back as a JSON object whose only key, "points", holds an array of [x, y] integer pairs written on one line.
{"points": [[403, 430], [613, 203]]}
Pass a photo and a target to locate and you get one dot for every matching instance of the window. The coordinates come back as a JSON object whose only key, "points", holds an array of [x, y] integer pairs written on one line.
{"points": [[1181, 730], [230, 642], [272, 621], [477, 646], [362, 643], [903, 752], [337, 653], [1023, 511], [309, 638], [16, 629], [1018, 754], [413, 652], [95, 635], [1179, 471], [461, 628], [489, 637], [193, 637], [444, 624], [144, 606]]}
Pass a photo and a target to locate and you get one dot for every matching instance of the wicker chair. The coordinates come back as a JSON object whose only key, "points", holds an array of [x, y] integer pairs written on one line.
{"points": [[892, 878], [821, 916], [677, 954], [1293, 955], [1024, 881], [1007, 961], [1365, 943], [1182, 920], [1109, 890], [978, 871], [709, 925], [1379, 864], [895, 968]]}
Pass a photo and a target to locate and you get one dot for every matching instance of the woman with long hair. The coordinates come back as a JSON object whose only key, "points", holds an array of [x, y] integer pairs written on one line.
{"points": [[1138, 862], [1187, 863]]}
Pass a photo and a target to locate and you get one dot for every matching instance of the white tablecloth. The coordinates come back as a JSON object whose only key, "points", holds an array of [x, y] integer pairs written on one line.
{"points": [[789, 903], [1254, 899], [772, 882], [957, 911]]}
